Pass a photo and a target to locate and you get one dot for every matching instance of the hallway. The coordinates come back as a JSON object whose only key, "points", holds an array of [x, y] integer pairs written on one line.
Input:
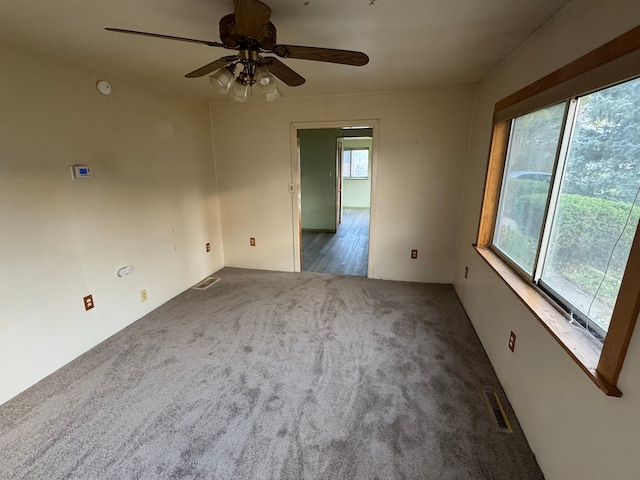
{"points": [[345, 252]]}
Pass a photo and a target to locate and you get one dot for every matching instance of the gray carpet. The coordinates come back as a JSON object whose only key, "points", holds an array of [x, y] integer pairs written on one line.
{"points": [[274, 376]]}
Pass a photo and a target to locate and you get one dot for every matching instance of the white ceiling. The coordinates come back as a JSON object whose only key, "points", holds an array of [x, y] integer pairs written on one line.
{"points": [[411, 43]]}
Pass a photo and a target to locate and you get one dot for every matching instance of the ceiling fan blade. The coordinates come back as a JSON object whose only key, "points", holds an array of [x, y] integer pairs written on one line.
{"points": [[168, 37], [211, 67], [252, 18], [345, 57], [283, 72]]}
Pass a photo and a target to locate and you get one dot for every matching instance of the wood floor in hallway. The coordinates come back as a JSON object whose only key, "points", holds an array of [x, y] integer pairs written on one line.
{"points": [[345, 252]]}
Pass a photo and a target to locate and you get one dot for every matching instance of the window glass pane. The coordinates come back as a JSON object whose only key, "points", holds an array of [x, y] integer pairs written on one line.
{"points": [[530, 160], [360, 163], [596, 219], [346, 163]]}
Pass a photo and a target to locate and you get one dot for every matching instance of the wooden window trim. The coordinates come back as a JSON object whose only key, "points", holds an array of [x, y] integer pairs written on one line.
{"points": [[617, 59], [555, 322], [610, 63]]}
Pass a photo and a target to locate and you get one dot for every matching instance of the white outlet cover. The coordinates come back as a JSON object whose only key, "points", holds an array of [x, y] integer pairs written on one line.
{"points": [[124, 271]]}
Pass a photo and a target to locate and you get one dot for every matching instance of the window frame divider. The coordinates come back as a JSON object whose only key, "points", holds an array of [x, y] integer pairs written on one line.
{"points": [[554, 195]]}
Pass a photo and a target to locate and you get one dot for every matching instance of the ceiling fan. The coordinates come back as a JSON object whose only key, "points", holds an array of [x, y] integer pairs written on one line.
{"points": [[249, 31]]}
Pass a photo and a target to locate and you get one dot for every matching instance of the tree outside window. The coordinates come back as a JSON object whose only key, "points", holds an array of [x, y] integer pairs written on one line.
{"points": [[355, 163]]}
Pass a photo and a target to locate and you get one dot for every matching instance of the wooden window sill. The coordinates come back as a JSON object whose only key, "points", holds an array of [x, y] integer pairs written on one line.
{"points": [[582, 348]]}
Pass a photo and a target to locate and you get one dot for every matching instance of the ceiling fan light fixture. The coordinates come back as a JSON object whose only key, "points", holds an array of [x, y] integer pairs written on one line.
{"points": [[239, 91], [222, 79], [265, 82], [242, 82], [273, 95]]}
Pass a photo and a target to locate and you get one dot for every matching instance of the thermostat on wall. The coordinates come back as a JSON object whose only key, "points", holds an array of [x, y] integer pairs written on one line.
{"points": [[80, 172]]}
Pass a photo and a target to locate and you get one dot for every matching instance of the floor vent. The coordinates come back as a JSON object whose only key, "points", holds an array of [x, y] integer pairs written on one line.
{"points": [[206, 283], [498, 412]]}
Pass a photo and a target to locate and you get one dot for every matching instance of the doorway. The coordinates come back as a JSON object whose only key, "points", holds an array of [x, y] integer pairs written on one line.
{"points": [[345, 252], [334, 169]]}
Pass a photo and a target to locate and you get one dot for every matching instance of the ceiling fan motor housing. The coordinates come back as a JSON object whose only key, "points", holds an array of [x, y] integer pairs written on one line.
{"points": [[233, 40]]}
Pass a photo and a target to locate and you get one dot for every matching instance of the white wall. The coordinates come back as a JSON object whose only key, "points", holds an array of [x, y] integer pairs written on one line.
{"points": [[356, 192], [152, 204], [572, 427], [420, 163]]}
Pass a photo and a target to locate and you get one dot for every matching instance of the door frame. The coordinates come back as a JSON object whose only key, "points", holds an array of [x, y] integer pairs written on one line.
{"points": [[296, 194], [339, 182]]}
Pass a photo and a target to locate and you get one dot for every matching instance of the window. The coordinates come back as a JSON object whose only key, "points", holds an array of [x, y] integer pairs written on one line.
{"points": [[567, 216], [527, 183], [355, 163], [560, 215]]}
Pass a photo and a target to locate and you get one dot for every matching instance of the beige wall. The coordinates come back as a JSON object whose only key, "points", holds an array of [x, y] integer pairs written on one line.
{"points": [[151, 204], [419, 165], [573, 428]]}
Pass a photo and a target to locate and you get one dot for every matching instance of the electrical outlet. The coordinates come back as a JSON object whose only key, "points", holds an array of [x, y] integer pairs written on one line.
{"points": [[512, 341], [143, 295], [208, 247], [88, 302], [466, 272], [252, 242], [414, 254]]}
